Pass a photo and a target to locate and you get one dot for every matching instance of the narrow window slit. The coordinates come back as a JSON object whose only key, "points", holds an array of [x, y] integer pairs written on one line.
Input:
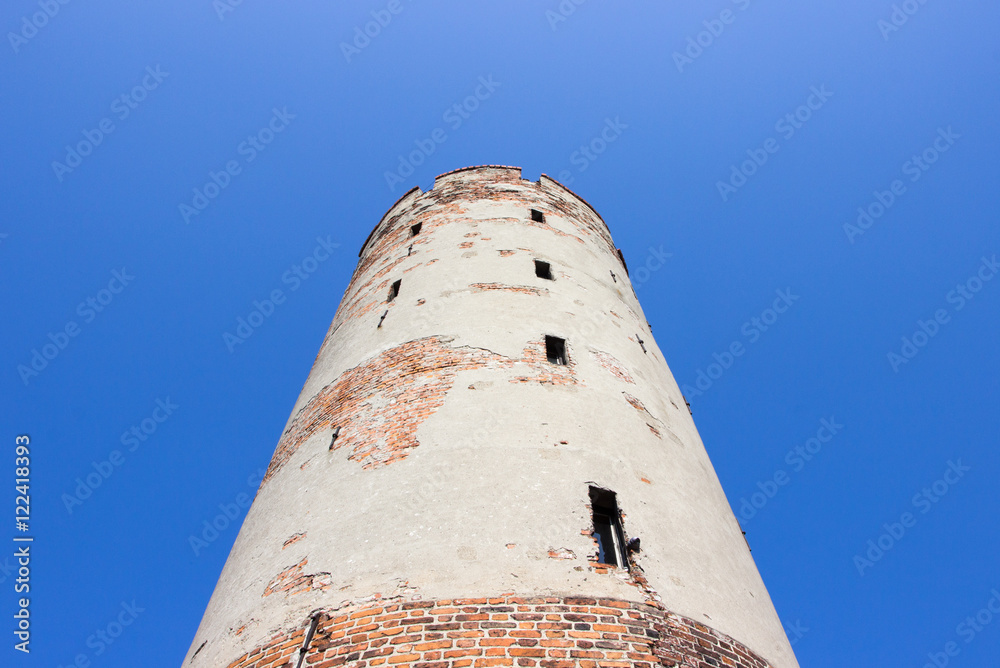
{"points": [[543, 270], [555, 350], [537, 216], [415, 229], [394, 290], [608, 528]]}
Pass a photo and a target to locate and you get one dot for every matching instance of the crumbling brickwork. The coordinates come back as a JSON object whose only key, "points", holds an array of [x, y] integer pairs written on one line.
{"points": [[549, 632], [379, 404]]}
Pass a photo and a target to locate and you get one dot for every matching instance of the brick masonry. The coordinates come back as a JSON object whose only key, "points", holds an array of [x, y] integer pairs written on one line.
{"points": [[549, 632], [380, 403]]}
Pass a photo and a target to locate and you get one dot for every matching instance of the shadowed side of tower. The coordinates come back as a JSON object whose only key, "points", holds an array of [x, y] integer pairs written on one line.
{"points": [[487, 428]]}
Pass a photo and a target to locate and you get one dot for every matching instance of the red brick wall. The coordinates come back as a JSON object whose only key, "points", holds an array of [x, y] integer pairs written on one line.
{"points": [[504, 631], [400, 388]]}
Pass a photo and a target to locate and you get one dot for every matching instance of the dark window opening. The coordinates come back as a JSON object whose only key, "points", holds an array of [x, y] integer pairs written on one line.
{"points": [[543, 270], [394, 290], [415, 229], [555, 350], [608, 527], [537, 216]]}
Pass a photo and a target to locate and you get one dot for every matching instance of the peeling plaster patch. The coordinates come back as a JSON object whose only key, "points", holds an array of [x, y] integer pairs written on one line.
{"points": [[561, 553], [613, 365], [401, 387], [523, 289], [293, 581], [294, 538]]}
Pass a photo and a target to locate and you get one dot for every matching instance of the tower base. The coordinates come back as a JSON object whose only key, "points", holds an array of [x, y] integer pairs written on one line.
{"points": [[549, 632]]}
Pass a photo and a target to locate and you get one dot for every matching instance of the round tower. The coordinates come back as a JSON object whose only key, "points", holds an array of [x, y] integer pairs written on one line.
{"points": [[490, 464]]}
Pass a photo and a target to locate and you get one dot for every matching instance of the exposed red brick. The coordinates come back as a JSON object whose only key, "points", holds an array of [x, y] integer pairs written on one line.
{"points": [[294, 538], [640, 637], [613, 365], [523, 289], [400, 387], [292, 580]]}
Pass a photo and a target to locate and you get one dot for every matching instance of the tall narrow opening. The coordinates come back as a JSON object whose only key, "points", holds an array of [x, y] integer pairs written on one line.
{"points": [[543, 270], [537, 216], [555, 350], [394, 290], [608, 527]]}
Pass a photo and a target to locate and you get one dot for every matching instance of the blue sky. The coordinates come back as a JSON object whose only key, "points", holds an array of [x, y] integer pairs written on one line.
{"points": [[892, 110]]}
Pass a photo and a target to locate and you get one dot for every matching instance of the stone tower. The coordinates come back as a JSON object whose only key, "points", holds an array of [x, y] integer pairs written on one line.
{"points": [[490, 464]]}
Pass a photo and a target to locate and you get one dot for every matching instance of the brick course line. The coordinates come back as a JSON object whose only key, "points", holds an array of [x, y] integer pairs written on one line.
{"points": [[630, 635]]}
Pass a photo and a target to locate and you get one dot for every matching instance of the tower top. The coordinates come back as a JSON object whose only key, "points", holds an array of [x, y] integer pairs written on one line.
{"points": [[485, 175]]}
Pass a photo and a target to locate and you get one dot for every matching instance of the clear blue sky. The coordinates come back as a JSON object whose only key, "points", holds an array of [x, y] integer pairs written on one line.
{"points": [[329, 122]]}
